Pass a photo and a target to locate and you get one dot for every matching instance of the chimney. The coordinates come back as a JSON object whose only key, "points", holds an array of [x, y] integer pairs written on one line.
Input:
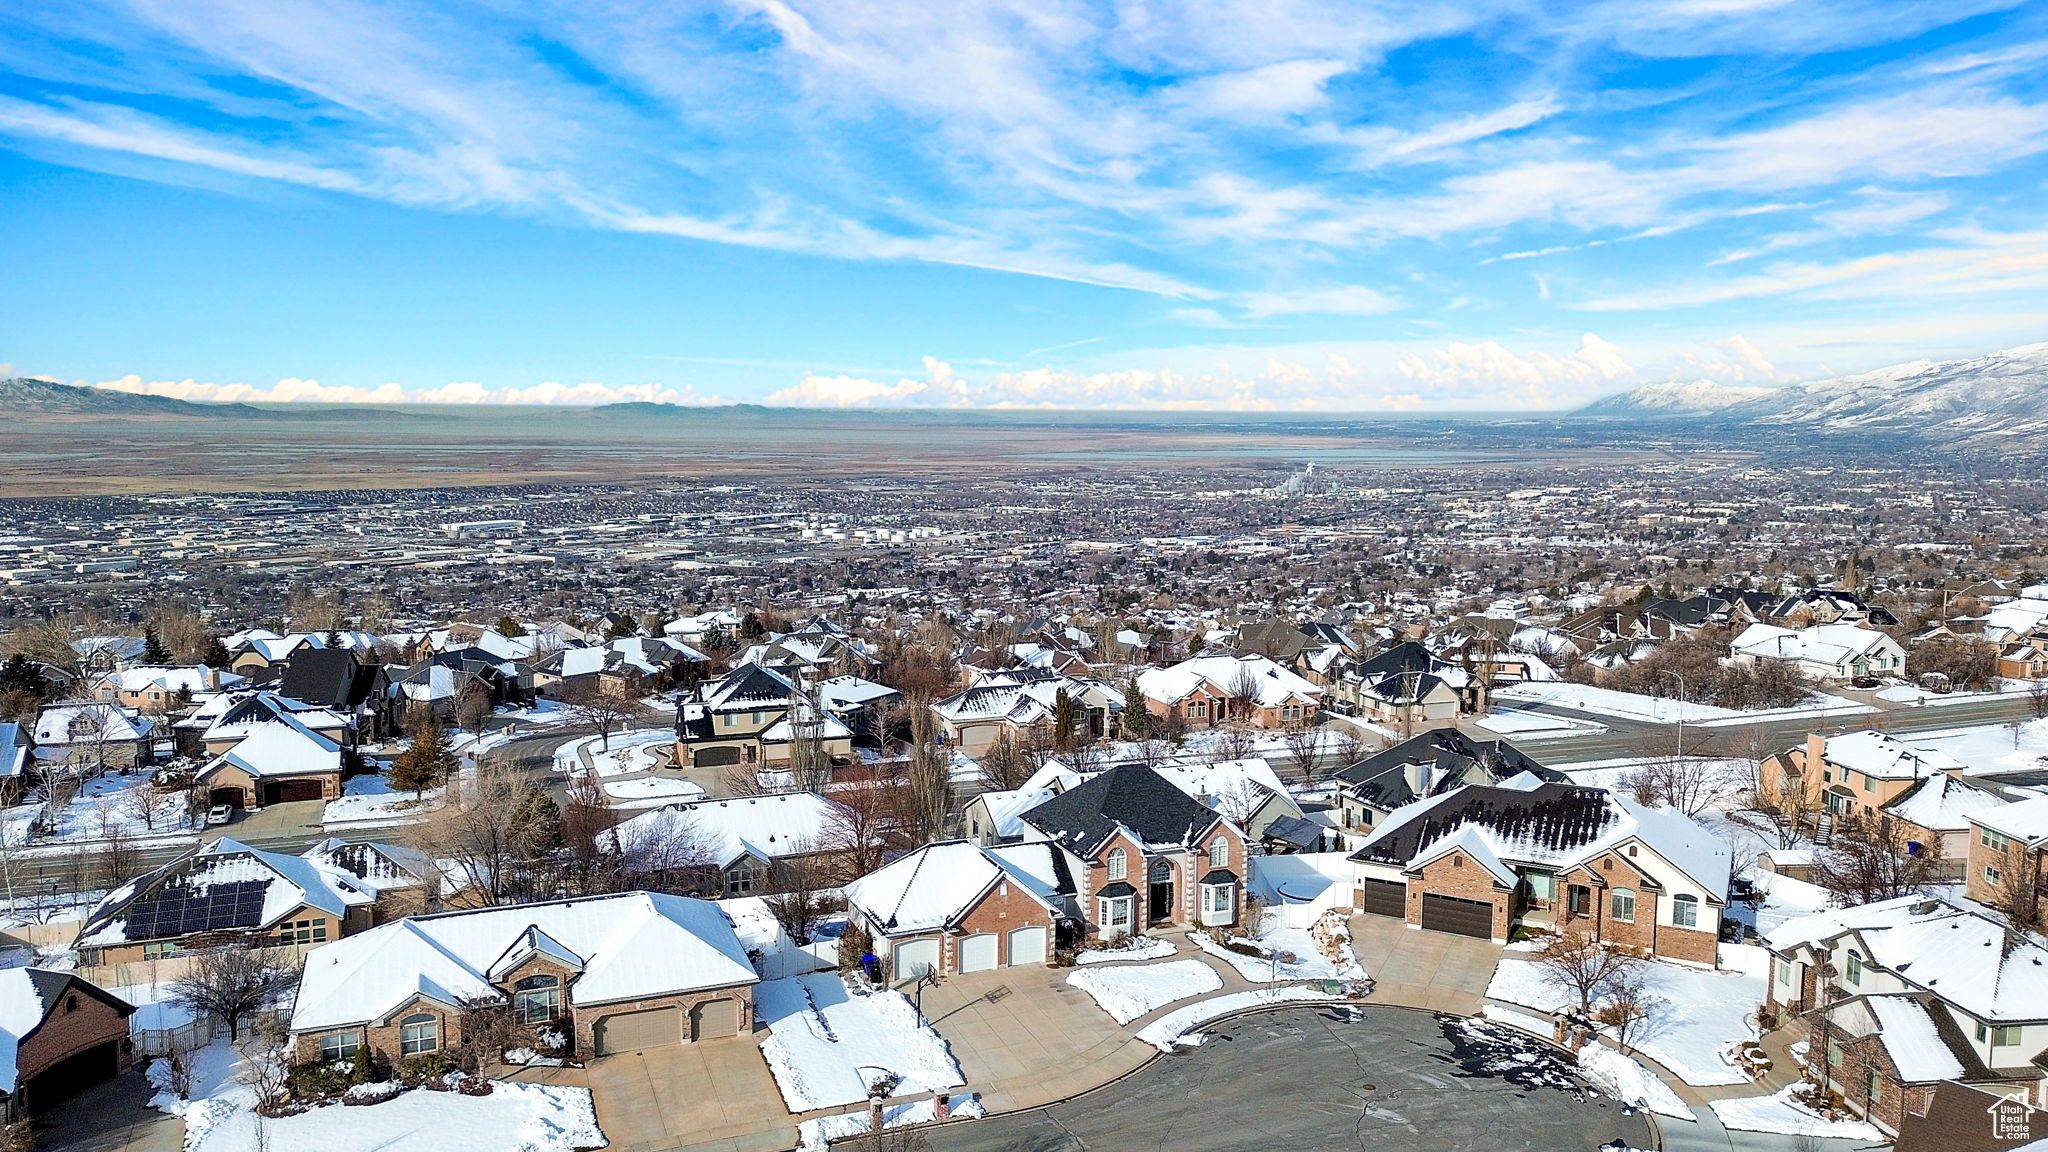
{"points": [[875, 1113], [942, 1106], [1816, 751]]}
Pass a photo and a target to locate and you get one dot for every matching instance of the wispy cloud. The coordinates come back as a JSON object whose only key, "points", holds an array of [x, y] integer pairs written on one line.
{"points": [[291, 391]]}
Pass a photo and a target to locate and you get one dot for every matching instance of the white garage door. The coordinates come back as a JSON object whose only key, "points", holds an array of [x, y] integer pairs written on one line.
{"points": [[916, 957], [1027, 946], [978, 953], [632, 1031]]}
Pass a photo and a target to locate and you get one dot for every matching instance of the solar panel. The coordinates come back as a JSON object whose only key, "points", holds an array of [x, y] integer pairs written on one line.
{"points": [[179, 910]]}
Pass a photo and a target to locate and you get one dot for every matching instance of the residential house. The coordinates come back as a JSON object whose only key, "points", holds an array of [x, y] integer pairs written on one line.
{"points": [[1216, 688], [1143, 854], [338, 681], [156, 690], [998, 817], [279, 761], [2025, 657], [93, 736], [612, 974], [1832, 653], [956, 907], [2008, 859], [863, 706], [1877, 776], [743, 718], [16, 743], [1902, 994], [224, 892], [748, 842], [1015, 701], [225, 720], [1480, 859], [1425, 766], [403, 881], [1409, 686], [59, 1035]]}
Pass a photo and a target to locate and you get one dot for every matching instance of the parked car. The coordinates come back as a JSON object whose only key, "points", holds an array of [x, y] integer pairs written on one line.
{"points": [[219, 814]]}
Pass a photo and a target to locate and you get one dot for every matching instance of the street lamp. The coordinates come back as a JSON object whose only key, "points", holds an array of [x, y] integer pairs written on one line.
{"points": [[1680, 677]]}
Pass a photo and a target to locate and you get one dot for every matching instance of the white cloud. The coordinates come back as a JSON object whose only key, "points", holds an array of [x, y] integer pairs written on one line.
{"points": [[1883, 210], [1732, 361], [1335, 300], [1287, 88], [292, 390], [1485, 373]]}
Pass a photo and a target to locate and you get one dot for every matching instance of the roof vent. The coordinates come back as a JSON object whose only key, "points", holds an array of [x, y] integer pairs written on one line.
{"points": [[1925, 907]]}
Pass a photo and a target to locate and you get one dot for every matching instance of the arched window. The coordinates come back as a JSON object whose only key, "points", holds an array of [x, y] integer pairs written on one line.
{"points": [[1624, 905], [1162, 872], [1685, 911], [1118, 864], [417, 1034], [537, 999], [1219, 853]]}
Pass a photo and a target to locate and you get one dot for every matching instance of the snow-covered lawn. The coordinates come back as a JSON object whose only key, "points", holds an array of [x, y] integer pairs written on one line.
{"points": [[1140, 948], [1173, 1028], [1625, 1079], [775, 954], [1702, 1013], [1308, 963], [1784, 899], [1989, 748], [369, 799], [626, 752], [1634, 706], [1538, 725], [816, 1135], [826, 1045], [513, 1118], [1777, 1113], [1128, 992], [106, 806], [650, 791]]}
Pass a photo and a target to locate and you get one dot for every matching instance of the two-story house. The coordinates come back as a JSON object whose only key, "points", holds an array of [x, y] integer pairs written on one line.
{"points": [[2008, 860], [1218, 688]]}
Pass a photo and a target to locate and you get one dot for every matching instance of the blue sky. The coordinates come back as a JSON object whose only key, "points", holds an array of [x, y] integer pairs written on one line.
{"points": [[1218, 205]]}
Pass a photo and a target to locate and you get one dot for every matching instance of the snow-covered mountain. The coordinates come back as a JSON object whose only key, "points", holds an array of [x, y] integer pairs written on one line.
{"points": [[1996, 400]]}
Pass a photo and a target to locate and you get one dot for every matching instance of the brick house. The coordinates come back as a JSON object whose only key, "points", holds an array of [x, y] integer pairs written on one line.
{"points": [[1481, 859], [613, 974], [744, 718], [1430, 764], [1142, 854], [59, 1035], [1902, 994], [2008, 859], [956, 907], [750, 840], [279, 761], [1218, 688]]}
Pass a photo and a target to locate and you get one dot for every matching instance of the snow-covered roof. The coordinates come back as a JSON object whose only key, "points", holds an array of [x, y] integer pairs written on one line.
{"points": [[2026, 821], [225, 886], [280, 747], [1911, 1039], [196, 678], [1230, 786], [765, 827], [1226, 674], [1966, 957], [21, 1012], [1006, 809], [234, 715], [631, 946], [13, 749], [938, 884], [1883, 756], [55, 724], [1829, 644], [1944, 803]]}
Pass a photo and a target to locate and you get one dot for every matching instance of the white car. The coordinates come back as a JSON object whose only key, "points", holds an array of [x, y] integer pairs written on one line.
{"points": [[219, 814]]}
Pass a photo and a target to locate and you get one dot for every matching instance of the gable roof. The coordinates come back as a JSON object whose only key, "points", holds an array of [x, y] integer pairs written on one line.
{"points": [[1447, 758], [631, 946], [1131, 797], [765, 827], [281, 747], [1966, 957], [225, 886], [939, 884], [27, 996]]}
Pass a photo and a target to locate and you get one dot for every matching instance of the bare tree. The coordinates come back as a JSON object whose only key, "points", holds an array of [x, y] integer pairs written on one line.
{"points": [[799, 902], [602, 710], [666, 850], [2020, 886], [1304, 743], [1243, 689], [1784, 814], [1004, 766], [2037, 698], [233, 983], [1232, 743], [866, 811], [1690, 784], [266, 1067], [1627, 1009], [479, 832], [931, 782], [1867, 860], [473, 706], [117, 858], [1583, 966]]}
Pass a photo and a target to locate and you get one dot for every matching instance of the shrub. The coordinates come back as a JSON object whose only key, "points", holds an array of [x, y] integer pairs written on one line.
{"points": [[425, 1066], [1245, 948], [320, 1081]]}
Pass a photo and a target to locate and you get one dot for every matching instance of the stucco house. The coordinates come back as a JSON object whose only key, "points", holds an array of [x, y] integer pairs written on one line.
{"points": [[1832, 653], [1229, 687]]}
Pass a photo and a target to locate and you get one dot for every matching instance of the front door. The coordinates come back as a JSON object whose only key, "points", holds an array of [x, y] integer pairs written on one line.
{"points": [[1580, 900], [1159, 895]]}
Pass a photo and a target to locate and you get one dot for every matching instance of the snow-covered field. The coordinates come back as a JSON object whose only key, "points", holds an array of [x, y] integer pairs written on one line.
{"points": [[1174, 1027], [777, 955], [1634, 706], [1702, 1013], [1127, 993], [1538, 725], [1778, 1113], [513, 1118], [369, 799], [1141, 948], [816, 1135], [1627, 1080], [826, 1045], [1308, 963], [1989, 748], [104, 807]]}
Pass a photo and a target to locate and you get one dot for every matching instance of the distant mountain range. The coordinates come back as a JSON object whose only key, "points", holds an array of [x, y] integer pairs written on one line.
{"points": [[1999, 400], [25, 396]]}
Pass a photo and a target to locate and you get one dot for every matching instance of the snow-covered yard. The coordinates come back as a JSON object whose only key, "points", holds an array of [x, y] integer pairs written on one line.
{"points": [[103, 807], [369, 800], [1627, 1080], [1989, 748], [624, 754], [513, 1118], [1701, 1013], [1174, 1027], [1778, 1113], [1128, 992], [776, 955], [1140, 948], [826, 1045], [1634, 706], [650, 791], [1274, 967], [1538, 725]]}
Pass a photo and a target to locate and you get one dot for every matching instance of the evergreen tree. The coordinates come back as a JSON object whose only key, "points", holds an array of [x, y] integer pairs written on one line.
{"points": [[623, 627], [21, 674], [1137, 721], [507, 626], [425, 762], [751, 627], [1065, 719], [537, 824], [153, 650], [217, 654], [332, 640]]}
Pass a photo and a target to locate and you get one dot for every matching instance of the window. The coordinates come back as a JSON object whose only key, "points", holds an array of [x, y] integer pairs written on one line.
{"points": [[1117, 865], [417, 1034], [537, 999], [1623, 905], [1784, 968], [1853, 968], [1992, 840], [1685, 911], [158, 949], [2004, 1036], [1992, 875], [1219, 853], [340, 1045], [71, 1003], [740, 881], [1871, 1083], [310, 931], [1198, 709], [1115, 914]]}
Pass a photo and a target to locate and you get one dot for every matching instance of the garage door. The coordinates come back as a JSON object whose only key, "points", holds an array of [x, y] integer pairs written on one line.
{"points": [[286, 791], [1451, 914], [715, 1018], [232, 797], [632, 1031], [72, 1075], [1027, 946], [1385, 897], [978, 953], [916, 957]]}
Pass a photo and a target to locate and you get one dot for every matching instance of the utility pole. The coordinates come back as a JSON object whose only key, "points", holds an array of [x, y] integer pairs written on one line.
{"points": [[1680, 677]]}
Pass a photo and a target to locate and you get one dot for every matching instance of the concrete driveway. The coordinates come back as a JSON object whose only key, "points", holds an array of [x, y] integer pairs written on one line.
{"points": [[1441, 971], [1024, 1036], [114, 1117], [716, 1095]]}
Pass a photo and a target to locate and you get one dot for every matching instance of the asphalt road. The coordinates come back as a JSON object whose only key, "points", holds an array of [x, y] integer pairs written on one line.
{"points": [[1311, 1080]]}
